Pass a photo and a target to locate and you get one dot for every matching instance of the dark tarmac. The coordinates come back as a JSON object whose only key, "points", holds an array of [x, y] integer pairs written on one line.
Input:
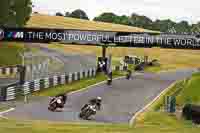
{"points": [[121, 100]]}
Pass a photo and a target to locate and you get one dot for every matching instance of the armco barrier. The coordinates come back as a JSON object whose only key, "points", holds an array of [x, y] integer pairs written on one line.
{"points": [[10, 92]]}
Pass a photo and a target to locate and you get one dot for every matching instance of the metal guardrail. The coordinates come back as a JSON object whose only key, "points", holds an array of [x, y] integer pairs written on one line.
{"points": [[11, 91]]}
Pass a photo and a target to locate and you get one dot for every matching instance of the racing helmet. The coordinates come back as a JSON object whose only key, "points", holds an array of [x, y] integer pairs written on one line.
{"points": [[99, 99]]}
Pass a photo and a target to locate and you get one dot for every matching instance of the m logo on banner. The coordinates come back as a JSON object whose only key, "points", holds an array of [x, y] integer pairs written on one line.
{"points": [[15, 35]]}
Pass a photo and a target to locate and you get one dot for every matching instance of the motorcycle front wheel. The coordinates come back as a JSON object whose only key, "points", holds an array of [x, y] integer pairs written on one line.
{"points": [[52, 107]]}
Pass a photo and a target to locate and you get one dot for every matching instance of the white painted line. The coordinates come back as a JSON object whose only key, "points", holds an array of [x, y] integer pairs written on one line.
{"points": [[3, 117], [9, 110], [137, 73], [94, 85], [148, 105]]}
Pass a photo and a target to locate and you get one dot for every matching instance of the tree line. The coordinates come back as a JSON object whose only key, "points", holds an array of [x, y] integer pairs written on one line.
{"points": [[141, 21]]}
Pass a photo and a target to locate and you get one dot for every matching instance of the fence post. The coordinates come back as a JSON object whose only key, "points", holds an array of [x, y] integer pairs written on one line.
{"points": [[63, 79], [70, 78]]}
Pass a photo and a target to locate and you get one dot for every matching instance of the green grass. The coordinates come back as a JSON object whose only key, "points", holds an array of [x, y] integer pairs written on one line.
{"points": [[77, 85], [3, 108], [9, 53], [158, 122], [185, 91], [191, 91], [154, 69], [154, 123], [12, 126], [116, 61]]}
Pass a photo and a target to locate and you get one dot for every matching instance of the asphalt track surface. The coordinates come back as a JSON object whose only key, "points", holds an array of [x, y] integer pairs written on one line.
{"points": [[121, 100]]}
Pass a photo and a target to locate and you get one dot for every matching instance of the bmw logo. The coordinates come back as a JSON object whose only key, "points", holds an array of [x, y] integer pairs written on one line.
{"points": [[1, 34]]}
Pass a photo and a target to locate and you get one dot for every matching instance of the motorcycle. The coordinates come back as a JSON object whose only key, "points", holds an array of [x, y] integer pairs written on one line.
{"points": [[55, 103], [128, 75], [109, 82], [88, 111]]}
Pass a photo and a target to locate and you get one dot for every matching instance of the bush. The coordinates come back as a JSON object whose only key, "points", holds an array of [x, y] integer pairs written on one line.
{"points": [[187, 112], [192, 112]]}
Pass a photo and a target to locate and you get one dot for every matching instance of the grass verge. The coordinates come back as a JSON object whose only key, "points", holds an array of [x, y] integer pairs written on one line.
{"points": [[184, 58], [185, 91], [2, 108], [77, 85], [9, 52]]}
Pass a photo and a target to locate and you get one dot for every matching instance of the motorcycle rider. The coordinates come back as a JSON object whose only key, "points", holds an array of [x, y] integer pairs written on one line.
{"points": [[129, 73], [109, 80], [62, 98], [95, 101]]}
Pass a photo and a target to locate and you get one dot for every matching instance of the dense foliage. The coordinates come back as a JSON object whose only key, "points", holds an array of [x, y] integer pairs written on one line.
{"points": [[15, 13], [77, 14], [145, 22]]}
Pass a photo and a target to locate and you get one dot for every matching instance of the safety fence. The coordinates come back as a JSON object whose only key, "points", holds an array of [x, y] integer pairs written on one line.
{"points": [[9, 70], [12, 91]]}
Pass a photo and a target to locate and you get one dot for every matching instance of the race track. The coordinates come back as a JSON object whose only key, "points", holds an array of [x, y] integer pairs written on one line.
{"points": [[120, 101]]}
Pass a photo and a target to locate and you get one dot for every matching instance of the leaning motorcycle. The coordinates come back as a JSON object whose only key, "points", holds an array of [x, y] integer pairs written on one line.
{"points": [[88, 111], [55, 103]]}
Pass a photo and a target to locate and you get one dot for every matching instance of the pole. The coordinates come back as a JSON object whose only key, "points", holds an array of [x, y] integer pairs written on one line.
{"points": [[22, 71], [104, 52]]}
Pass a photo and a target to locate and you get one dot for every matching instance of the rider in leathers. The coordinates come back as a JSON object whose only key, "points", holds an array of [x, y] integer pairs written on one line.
{"points": [[95, 101]]}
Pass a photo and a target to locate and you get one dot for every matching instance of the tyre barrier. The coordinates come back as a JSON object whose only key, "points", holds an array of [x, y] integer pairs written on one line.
{"points": [[6, 93], [10, 92], [9, 70]]}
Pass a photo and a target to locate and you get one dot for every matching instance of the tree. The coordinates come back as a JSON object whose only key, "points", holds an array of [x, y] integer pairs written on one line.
{"points": [[183, 27], [164, 25], [140, 21], [79, 14], [67, 14], [195, 28], [59, 14], [15, 13], [106, 17]]}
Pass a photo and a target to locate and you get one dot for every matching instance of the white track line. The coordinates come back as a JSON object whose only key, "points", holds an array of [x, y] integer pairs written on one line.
{"points": [[99, 84], [9, 110], [94, 85], [148, 105]]}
